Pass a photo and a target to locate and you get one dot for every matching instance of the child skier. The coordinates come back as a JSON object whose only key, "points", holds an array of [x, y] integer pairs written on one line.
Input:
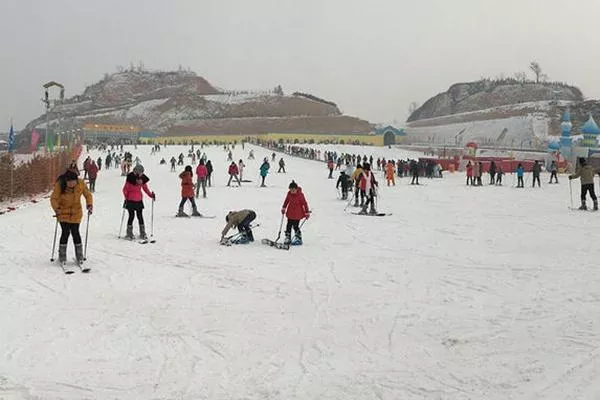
{"points": [[92, 171], [390, 173], [367, 186], [187, 192], [66, 203], [135, 182], [520, 173], [241, 220], [469, 173], [356, 179], [233, 173], [586, 172], [264, 170], [295, 209], [499, 174], [344, 182], [201, 173]]}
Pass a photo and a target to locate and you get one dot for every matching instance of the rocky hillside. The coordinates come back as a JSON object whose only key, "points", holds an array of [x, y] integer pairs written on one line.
{"points": [[162, 101], [486, 94]]}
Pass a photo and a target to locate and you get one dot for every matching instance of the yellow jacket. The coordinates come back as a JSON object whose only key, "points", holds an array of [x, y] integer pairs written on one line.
{"points": [[68, 204]]}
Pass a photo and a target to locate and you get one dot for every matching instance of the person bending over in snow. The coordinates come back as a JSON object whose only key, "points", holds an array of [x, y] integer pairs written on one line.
{"points": [[295, 209], [187, 192], [135, 182], [66, 203], [586, 172], [241, 220]]}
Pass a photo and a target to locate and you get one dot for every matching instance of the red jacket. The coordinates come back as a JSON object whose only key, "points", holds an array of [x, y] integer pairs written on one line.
{"points": [[187, 184], [201, 171], [92, 170], [470, 170], [363, 181], [233, 169], [295, 206], [133, 191]]}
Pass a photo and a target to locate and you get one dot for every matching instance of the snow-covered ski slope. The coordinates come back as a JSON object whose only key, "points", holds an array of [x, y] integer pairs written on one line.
{"points": [[463, 293]]}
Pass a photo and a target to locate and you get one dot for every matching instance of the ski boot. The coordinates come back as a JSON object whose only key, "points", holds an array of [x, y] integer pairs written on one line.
{"points": [[288, 239], [79, 253], [250, 235], [242, 239], [62, 253], [143, 235], [356, 202], [297, 241], [363, 211], [195, 213], [129, 234], [595, 205], [372, 211], [181, 213], [583, 206]]}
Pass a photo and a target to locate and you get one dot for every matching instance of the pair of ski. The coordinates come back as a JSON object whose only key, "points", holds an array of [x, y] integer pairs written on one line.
{"points": [[69, 269], [373, 215], [231, 240], [195, 216]]}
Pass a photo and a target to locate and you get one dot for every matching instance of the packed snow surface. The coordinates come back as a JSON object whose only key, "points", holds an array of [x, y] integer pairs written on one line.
{"points": [[462, 293]]}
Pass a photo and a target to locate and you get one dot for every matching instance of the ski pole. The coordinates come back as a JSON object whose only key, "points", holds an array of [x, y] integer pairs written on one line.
{"points": [[87, 230], [571, 192], [280, 227], [121, 227], [152, 221], [350, 201], [54, 240]]}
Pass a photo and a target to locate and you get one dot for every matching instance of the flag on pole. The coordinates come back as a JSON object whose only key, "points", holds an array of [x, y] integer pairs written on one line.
{"points": [[12, 140], [49, 141], [35, 137]]}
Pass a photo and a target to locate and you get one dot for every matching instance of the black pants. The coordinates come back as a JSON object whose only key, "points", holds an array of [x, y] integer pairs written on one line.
{"points": [[357, 191], [585, 189], [236, 178], [135, 213], [93, 184], [469, 180], [536, 178], [73, 230], [554, 175], [520, 181], [499, 179], [292, 223], [330, 173], [370, 199], [244, 226], [263, 180], [209, 179], [281, 169], [492, 178], [415, 178], [184, 199]]}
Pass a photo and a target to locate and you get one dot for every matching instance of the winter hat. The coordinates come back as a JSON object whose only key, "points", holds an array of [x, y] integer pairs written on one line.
{"points": [[138, 169], [367, 166], [70, 176], [358, 166], [188, 168], [293, 185]]}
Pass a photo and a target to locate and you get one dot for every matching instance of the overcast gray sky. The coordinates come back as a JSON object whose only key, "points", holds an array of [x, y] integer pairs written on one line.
{"points": [[371, 57]]}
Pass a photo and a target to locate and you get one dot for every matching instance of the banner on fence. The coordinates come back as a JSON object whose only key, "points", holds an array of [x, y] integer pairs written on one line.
{"points": [[35, 137]]}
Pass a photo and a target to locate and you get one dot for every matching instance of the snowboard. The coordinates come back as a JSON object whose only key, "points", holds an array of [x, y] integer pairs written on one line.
{"points": [[374, 215], [272, 243]]}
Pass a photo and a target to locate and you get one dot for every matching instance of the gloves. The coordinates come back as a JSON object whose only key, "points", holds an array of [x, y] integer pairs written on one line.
{"points": [[307, 215], [57, 212], [90, 208], [570, 177], [153, 196], [124, 203], [282, 211]]}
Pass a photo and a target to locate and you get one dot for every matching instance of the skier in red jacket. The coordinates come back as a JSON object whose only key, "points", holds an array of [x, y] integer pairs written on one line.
{"points": [[295, 209]]}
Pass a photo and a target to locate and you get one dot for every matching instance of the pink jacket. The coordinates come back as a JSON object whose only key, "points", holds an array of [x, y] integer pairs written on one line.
{"points": [[201, 171], [133, 191]]}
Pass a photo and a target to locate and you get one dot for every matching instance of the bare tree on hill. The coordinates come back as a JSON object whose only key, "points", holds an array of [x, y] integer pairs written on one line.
{"points": [[537, 70]]}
